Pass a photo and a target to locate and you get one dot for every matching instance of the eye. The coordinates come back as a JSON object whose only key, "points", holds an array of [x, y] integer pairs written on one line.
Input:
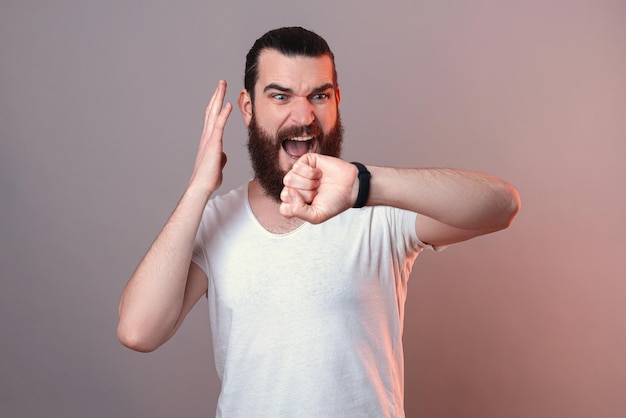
{"points": [[320, 96], [279, 96]]}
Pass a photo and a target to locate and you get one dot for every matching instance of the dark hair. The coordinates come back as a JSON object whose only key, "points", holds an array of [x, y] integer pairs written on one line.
{"points": [[289, 41]]}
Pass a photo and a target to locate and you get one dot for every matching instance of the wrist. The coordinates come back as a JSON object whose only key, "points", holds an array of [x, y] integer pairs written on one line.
{"points": [[363, 189], [199, 190]]}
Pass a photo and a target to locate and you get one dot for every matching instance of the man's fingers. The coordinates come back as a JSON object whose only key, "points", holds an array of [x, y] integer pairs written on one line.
{"points": [[304, 178], [292, 202], [216, 109], [209, 109], [306, 196], [293, 205], [296, 181], [306, 166], [217, 128], [218, 97]]}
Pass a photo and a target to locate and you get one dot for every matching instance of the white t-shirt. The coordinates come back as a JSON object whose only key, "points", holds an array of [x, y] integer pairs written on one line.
{"points": [[308, 323]]}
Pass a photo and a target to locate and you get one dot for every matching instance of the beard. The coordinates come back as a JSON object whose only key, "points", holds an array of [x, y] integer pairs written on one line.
{"points": [[264, 151]]}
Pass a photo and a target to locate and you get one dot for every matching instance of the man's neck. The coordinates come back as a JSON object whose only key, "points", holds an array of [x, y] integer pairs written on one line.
{"points": [[265, 209]]}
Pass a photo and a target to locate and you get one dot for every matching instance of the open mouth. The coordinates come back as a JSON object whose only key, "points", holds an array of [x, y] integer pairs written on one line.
{"points": [[296, 147]]}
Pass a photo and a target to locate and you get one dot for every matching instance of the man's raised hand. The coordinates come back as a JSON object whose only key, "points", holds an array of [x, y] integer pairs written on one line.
{"points": [[210, 160]]}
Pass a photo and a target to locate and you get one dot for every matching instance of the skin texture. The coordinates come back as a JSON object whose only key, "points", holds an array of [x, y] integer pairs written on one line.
{"points": [[454, 205]]}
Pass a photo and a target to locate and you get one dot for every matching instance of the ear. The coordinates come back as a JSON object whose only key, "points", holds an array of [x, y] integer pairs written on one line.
{"points": [[338, 95], [245, 106]]}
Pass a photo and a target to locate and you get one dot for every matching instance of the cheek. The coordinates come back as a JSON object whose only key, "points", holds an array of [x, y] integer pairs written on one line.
{"points": [[327, 122], [271, 122]]}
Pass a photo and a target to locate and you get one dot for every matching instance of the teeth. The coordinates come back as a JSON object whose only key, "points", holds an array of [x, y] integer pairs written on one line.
{"points": [[307, 144]]}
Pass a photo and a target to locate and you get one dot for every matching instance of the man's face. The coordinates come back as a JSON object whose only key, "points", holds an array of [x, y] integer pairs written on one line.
{"points": [[295, 111]]}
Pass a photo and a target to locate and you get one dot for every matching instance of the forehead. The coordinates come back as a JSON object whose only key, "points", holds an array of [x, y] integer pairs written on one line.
{"points": [[299, 73]]}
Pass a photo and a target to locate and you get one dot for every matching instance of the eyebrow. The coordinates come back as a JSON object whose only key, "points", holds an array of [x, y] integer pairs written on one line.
{"points": [[275, 86]]}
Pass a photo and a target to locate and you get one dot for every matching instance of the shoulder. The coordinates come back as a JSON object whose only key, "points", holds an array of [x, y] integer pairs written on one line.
{"points": [[227, 202], [221, 209], [233, 197]]}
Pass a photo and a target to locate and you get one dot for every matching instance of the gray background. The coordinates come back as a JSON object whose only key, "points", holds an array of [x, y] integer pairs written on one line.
{"points": [[101, 108]]}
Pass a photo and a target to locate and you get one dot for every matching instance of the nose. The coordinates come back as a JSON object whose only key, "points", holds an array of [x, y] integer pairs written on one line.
{"points": [[302, 112]]}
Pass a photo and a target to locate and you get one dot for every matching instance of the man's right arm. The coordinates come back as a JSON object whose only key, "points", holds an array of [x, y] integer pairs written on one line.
{"points": [[166, 284]]}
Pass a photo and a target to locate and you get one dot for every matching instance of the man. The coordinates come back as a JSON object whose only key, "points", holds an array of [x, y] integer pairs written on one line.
{"points": [[306, 266]]}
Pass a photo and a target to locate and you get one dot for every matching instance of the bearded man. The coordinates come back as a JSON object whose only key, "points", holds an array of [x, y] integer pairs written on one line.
{"points": [[306, 266]]}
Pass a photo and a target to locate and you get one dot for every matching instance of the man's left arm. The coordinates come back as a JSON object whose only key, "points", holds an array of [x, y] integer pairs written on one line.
{"points": [[454, 205]]}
